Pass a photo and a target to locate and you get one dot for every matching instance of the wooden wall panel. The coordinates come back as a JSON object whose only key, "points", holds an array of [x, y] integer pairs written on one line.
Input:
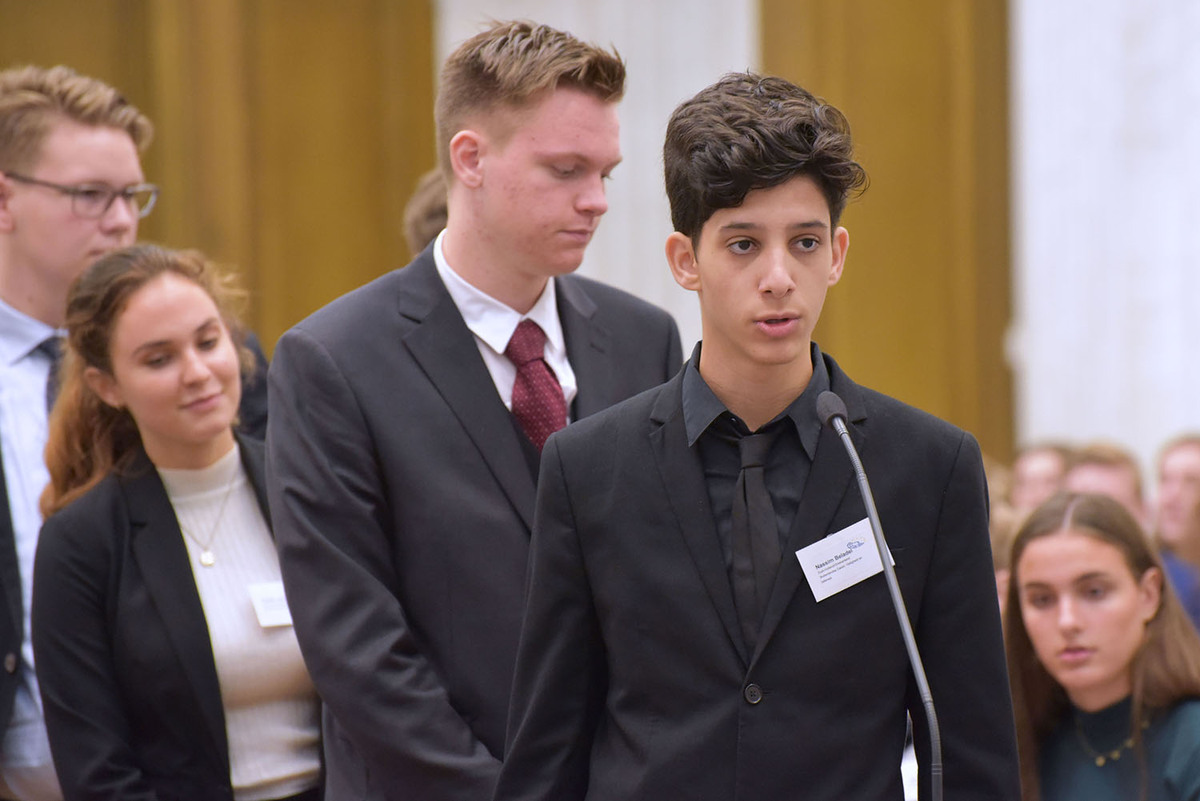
{"points": [[922, 309], [332, 123], [289, 132]]}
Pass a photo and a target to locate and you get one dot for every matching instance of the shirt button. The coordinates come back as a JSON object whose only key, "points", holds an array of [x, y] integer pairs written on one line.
{"points": [[10, 663], [753, 693]]}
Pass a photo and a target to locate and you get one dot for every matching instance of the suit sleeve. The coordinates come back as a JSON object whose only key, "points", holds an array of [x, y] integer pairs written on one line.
{"points": [[88, 728], [960, 640], [331, 516], [560, 682]]}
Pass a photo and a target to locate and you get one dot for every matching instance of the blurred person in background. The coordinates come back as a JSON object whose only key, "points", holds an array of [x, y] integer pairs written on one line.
{"points": [[1106, 468], [425, 213], [1177, 518], [1104, 663], [1037, 473]]}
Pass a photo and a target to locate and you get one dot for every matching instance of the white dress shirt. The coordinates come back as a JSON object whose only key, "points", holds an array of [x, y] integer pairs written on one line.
{"points": [[493, 324], [26, 770]]}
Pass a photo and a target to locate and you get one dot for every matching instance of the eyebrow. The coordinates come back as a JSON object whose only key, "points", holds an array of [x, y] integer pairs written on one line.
{"points": [[558, 155], [811, 225], [1095, 574], [158, 343]]}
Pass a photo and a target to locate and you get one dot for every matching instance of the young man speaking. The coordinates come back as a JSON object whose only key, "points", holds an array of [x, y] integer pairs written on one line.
{"points": [[673, 647]]}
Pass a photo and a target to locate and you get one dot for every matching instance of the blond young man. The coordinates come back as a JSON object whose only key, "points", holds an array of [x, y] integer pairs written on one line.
{"points": [[71, 190], [404, 439]]}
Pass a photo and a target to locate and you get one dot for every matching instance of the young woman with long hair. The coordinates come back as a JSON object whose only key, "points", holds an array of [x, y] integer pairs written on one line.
{"points": [[1104, 663], [165, 655]]}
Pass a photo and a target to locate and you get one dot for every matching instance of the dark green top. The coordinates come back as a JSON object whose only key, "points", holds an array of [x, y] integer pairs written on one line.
{"points": [[1172, 750]]}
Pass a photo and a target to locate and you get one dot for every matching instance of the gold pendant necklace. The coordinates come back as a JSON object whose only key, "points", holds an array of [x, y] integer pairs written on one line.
{"points": [[1102, 759], [207, 558]]}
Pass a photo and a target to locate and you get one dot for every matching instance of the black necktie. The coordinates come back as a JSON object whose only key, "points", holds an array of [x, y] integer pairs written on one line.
{"points": [[755, 535], [52, 348]]}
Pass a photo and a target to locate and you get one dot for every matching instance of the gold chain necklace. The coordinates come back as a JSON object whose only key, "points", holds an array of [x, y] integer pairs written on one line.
{"points": [[1101, 759], [207, 558]]}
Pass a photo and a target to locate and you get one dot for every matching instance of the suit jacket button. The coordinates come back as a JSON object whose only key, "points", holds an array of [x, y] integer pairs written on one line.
{"points": [[753, 693], [10, 663]]}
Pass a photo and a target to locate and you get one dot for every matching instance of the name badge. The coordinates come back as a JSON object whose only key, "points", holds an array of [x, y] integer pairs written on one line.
{"points": [[270, 604], [841, 560]]}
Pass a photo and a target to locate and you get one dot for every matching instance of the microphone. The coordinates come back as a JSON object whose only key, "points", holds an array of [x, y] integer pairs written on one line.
{"points": [[832, 411]]}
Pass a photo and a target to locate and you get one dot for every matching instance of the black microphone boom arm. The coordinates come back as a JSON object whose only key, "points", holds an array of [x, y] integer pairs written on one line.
{"points": [[832, 411]]}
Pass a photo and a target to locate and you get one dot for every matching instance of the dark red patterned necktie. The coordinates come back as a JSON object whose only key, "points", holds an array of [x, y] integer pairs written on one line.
{"points": [[537, 397]]}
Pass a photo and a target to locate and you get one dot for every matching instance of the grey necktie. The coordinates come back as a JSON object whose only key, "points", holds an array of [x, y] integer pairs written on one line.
{"points": [[52, 349]]}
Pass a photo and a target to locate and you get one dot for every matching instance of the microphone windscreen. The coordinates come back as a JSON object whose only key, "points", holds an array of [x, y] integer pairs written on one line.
{"points": [[829, 406]]}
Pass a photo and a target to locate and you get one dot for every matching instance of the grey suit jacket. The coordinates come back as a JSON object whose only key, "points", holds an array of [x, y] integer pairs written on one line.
{"points": [[633, 682], [403, 496]]}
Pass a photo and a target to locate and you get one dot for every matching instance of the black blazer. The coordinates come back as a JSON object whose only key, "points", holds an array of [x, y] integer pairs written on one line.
{"points": [[632, 680], [403, 499], [125, 664], [252, 421]]}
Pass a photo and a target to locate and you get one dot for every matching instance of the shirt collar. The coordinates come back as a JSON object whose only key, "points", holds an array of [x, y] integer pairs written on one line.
{"points": [[701, 406], [489, 319], [20, 334]]}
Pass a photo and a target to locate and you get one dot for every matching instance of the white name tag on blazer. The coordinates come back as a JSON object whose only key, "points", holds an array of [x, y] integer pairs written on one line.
{"points": [[270, 604], [841, 560]]}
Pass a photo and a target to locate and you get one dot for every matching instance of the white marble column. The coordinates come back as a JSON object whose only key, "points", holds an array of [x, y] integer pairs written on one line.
{"points": [[1106, 121], [672, 49]]}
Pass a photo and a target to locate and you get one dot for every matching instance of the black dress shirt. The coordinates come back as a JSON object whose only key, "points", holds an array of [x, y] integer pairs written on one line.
{"points": [[713, 431]]}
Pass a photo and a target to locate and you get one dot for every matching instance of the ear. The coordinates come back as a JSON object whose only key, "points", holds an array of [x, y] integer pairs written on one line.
{"points": [[466, 152], [6, 217], [104, 385], [681, 257], [1150, 593], [840, 244]]}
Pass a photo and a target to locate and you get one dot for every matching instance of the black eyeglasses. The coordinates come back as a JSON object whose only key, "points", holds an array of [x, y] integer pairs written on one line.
{"points": [[94, 200]]}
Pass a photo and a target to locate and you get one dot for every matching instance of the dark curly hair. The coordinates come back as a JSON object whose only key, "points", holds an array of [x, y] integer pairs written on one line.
{"points": [[747, 132]]}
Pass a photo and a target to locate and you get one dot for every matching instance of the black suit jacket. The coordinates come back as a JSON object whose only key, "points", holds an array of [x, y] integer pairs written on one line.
{"points": [[632, 680], [403, 500], [252, 421], [125, 664]]}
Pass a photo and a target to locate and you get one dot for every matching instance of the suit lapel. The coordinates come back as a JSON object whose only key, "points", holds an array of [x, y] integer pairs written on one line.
{"points": [[829, 482], [10, 571], [162, 559], [683, 481], [587, 348], [445, 349]]}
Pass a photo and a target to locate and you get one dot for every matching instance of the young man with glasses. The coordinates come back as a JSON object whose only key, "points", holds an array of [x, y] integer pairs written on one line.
{"points": [[71, 190]]}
